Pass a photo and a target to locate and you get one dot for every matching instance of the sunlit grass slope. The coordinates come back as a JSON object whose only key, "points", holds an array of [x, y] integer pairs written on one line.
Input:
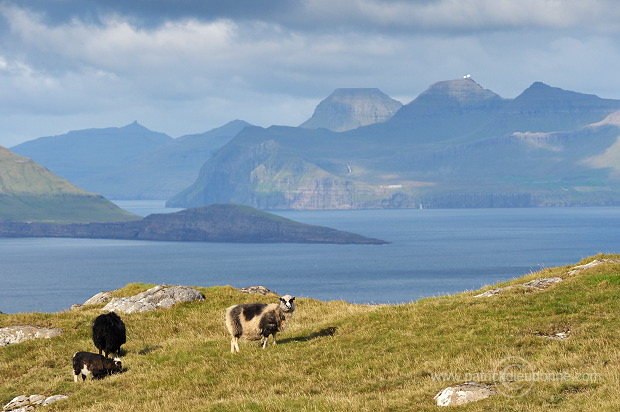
{"points": [[337, 356], [30, 192]]}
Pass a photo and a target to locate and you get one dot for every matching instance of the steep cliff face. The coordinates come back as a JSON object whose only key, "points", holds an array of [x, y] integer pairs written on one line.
{"points": [[225, 177], [264, 176], [347, 109]]}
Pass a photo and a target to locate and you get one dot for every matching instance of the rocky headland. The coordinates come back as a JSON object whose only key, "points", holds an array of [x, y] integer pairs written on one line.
{"points": [[214, 223]]}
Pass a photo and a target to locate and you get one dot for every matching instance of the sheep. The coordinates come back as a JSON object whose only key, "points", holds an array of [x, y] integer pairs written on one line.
{"points": [[255, 321], [86, 363], [109, 333]]}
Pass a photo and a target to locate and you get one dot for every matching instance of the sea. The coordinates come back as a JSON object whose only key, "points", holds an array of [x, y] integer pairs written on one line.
{"points": [[432, 252]]}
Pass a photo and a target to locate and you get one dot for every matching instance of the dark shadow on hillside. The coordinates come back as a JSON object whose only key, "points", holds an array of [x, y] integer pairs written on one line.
{"points": [[329, 331], [148, 349]]}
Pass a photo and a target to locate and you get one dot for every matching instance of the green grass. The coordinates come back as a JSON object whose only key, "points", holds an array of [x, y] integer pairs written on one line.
{"points": [[337, 356], [63, 209]]}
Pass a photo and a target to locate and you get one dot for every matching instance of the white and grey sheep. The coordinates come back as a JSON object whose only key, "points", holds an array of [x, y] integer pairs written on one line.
{"points": [[253, 321]]}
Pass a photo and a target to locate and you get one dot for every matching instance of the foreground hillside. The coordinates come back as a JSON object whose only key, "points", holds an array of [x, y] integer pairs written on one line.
{"points": [[337, 356]]}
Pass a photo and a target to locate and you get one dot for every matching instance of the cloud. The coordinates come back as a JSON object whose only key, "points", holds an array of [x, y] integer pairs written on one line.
{"points": [[188, 66]]}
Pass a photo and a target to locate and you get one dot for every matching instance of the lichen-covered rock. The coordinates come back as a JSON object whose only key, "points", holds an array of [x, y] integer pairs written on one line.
{"points": [[557, 335], [160, 296], [100, 298], [17, 334], [542, 283], [258, 290], [463, 393], [536, 284], [579, 268], [25, 403]]}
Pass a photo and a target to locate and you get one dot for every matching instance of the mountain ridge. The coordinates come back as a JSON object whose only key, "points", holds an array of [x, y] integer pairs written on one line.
{"points": [[80, 154]]}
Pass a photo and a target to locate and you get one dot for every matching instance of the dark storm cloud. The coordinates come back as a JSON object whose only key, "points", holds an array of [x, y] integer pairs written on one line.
{"points": [[156, 12]]}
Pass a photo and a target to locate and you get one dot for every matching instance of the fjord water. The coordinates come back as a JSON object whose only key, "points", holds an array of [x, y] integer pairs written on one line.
{"points": [[432, 252]]}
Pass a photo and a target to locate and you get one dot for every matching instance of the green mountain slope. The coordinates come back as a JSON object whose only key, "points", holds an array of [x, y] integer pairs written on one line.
{"points": [[30, 192]]}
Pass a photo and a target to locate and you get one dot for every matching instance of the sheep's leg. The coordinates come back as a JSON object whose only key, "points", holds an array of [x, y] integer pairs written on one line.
{"points": [[263, 341], [274, 338], [234, 344]]}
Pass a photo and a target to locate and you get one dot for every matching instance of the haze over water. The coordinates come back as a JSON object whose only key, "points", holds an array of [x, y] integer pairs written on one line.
{"points": [[432, 252]]}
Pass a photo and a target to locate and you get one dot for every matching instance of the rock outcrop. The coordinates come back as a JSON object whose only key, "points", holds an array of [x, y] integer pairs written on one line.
{"points": [[257, 290], [596, 262], [158, 297], [463, 393], [100, 298], [17, 334], [24, 403], [536, 284]]}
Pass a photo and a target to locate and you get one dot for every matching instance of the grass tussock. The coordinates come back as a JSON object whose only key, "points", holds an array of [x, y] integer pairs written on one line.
{"points": [[337, 356]]}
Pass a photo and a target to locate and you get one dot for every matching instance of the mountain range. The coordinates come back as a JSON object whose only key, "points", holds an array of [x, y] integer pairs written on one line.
{"points": [[455, 145], [130, 162]]}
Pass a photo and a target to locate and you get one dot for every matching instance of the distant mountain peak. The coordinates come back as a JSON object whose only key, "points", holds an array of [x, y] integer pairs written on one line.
{"points": [[134, 126], [350, 108], [464, 90]]}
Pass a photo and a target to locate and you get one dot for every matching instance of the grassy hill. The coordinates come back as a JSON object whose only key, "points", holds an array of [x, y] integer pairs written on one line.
{"points": [[337, 356], [30, 192]]}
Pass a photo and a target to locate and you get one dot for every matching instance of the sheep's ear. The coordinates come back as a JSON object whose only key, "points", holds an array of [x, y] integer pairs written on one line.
{"points": [[293, 298]]}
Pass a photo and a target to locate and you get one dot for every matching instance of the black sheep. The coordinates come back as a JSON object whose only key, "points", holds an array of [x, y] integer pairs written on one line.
{"points": [[109, 333]]}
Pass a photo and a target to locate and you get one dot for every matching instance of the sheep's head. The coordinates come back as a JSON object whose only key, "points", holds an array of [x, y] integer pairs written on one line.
{"points": [[117, 366], [287, 303]]}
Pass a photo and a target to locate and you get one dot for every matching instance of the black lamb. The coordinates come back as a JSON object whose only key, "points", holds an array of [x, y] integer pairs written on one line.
{"points": [[109, 333]]}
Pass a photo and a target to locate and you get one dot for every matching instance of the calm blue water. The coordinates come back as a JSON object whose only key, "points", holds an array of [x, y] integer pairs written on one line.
{"points": [[433, 252]]}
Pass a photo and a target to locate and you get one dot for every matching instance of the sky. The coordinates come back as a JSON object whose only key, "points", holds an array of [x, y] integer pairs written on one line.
{"points": [[187, 66]]}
